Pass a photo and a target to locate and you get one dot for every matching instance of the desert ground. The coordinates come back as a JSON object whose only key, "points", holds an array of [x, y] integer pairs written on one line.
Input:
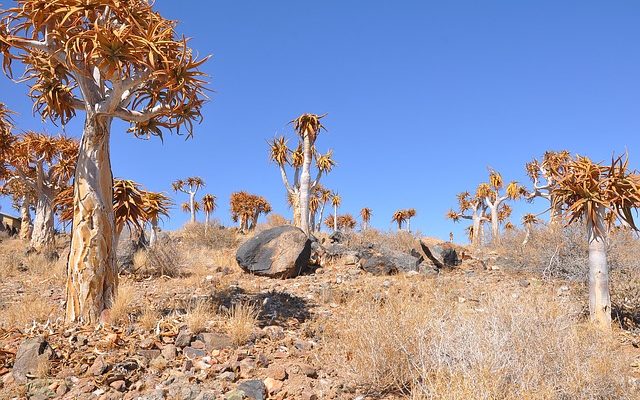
{"points": [[507, 322]]}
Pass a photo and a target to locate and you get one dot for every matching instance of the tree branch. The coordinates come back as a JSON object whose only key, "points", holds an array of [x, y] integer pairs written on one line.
{"points": [[138, 116], [285, 180]]}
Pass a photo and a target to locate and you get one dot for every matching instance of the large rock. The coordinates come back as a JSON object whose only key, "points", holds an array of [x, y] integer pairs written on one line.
{"points": [[31, 356], [440, 256], [280, 252], [390, 263]]}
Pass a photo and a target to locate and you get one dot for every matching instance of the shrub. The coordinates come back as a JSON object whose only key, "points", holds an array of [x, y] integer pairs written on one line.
{"points": [[164, 258], [214, 236]]}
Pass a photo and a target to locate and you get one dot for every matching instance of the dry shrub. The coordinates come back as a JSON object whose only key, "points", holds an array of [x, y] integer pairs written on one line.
{"points": [[242, 320], [9, 263], [164, 258], [123, 304], [397, 241], [33, 308], [274, 220], [500, 347], [213, 236], [198, 316], [149, 317]]}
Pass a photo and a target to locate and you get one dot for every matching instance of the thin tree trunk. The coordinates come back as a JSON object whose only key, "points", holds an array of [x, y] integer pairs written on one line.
{"points": [[192, 201], [305, 185], [25, 219], [335, 217], [92, 276], [527, 236], [475, 235], [43, 230], [297, 214], [409, 225], [319, 223], [154, 232], [495, 224], [599, 298]]}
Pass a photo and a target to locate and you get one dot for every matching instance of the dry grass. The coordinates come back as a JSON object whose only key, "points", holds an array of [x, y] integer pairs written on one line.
{"points": [[507, 344], [165, 258], [123, 306], [149, 317], [274, 220], [198, 316], [242, 319], [31, 308], [214, 236]]}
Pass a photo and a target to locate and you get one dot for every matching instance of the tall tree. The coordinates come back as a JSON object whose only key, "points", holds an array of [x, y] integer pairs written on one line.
{"points": [[156, 206], [208, 206], [365, 215], [307, 127], [399, 217], [493, 196], [336, 200], [324, 195], [246, 208], [587, 192], [528, 220], [109, 59], [45, 164], [409, 213], [189, 186], [543, 175], [471, 208]]}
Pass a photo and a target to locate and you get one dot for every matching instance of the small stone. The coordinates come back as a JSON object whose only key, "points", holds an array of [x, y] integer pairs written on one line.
{"points": [[274, 332], [192, 353], [273, 385], [149, 354], [227, 376], [253, 389], [169, 352], [235, 395], [184, 338], [215, 341], [98, 367], [118, 385], [307, 395], [277, 372], [146, 343], [198, 344], [188, 365], [524, 283], [62, 389], [304, 369], [319, 271]]}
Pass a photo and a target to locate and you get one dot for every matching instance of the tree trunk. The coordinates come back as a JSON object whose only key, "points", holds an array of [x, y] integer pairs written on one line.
{"points": [[154, 232], [409, 225], [335, 217], [319, 222], [92, 276], [25, 219], [305, 185], [599, 298], [475, 235], [192, 201], [297, 215], [495, 224], [527, 236], [43, 232]]}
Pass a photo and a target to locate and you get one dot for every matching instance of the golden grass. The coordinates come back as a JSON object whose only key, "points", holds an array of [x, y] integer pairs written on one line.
{"points": [[199, 316], [149, 317], [123, 305], [502, 344], [242, 319], [29, 309]]}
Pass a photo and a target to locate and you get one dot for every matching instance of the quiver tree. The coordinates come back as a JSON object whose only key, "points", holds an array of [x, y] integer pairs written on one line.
{"points": [[494, 197], [6, 139], [110, 59], [336, 200], [246, 208], [344, 222], [129, 207], [307, 127], [409, 213], [22, 199], [399, 217], [191, 208], [156, 205], [365, 216], [324, 195], [474, 209], [45, 164], [189, 186], [544, 175], [528, 220], [597, 195], [208, 206]]}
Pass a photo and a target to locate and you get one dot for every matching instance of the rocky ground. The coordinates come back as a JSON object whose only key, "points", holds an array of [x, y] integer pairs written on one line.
{"points": [[187, 337]]}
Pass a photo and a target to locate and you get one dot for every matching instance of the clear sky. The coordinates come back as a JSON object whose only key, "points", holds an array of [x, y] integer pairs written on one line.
{"points": [[422, 97]]}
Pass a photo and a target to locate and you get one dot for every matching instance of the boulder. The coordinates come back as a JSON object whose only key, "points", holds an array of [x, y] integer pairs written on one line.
{"points": [[31, 354], [253, 389], [280, 252], [380, 265], [389, 262], [337, 237], [440, 256], [124, 254]]}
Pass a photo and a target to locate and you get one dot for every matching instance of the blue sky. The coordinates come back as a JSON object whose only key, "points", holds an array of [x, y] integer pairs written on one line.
{"points": [[422, 97]]}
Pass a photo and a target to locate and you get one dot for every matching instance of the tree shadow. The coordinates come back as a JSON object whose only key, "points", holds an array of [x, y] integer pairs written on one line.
{"points": [[281, 308]]}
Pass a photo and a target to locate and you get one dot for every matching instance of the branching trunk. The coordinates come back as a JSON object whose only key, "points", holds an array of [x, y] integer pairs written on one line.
{"points": [[305, 185], [43, 231], [92, 276], [25, 219], [599, 298]]}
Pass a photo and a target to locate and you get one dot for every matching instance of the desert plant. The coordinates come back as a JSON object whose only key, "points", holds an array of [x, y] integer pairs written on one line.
{"points": [[586, 192], [399, 217], [242, 319], [336, 200], [365, 215], [544, 176], [246, 208], [474, 209], [208, 206], [44, 164], [189, 186], [307, 127], [156, 205], [494, 199], [528, 220], [109, 59]]}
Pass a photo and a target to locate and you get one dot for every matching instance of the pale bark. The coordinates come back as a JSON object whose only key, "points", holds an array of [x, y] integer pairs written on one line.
{"points": [[43, 231], [153, 237], [335, 217], [297, 213], [305, 184], [319, 223], [92, 276], [495, 224], [599, 298], [476, 235], [26, 227], [527, 236], [192, 201], [408, 224]]}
